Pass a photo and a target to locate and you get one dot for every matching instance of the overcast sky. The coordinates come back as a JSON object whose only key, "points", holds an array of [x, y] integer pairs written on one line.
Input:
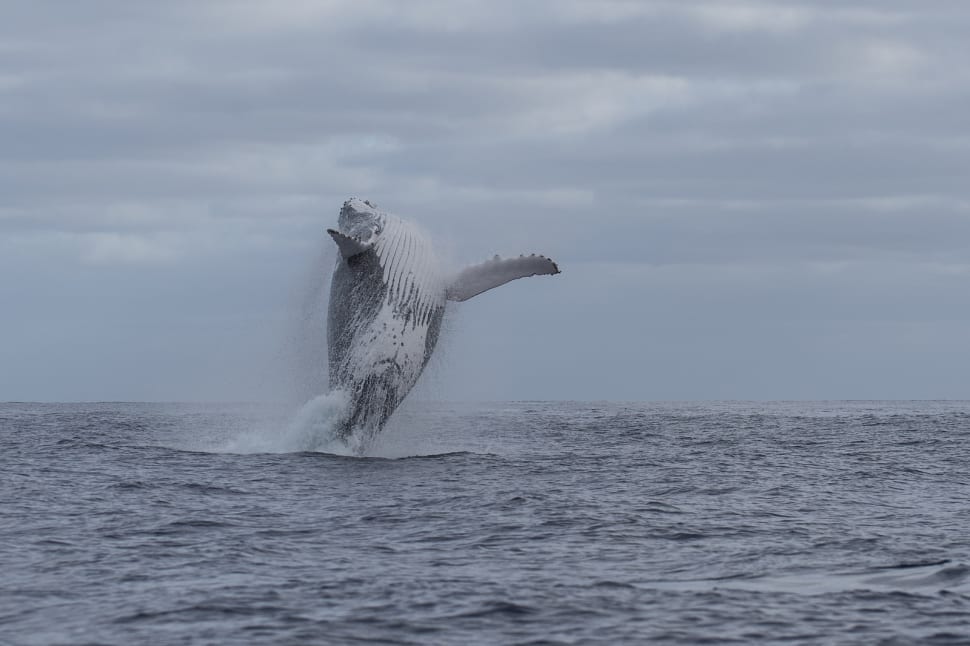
{"points": [[748, 200]]}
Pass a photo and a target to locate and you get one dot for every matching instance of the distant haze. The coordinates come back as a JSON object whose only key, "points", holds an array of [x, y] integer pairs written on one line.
{"points": [[748, 200]]}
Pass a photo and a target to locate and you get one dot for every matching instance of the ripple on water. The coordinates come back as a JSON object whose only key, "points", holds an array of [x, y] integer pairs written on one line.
{"points": [[514, 523]]}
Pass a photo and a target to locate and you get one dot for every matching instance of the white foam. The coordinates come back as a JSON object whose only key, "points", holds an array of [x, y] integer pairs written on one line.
{"points": [[313, 428]]}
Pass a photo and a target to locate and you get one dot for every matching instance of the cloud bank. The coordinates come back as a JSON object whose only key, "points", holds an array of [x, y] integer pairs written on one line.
{"points": [[749, 200]]}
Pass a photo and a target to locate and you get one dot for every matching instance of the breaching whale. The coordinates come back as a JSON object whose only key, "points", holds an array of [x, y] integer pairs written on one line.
{"points": [[387, 300]]}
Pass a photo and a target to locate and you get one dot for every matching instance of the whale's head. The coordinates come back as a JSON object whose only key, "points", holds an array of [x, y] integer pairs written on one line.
{"points": [[360, 219]]}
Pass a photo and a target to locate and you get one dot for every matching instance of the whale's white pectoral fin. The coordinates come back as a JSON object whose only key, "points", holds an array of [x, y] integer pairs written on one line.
{"points": [[349, 247], [476, 279]]}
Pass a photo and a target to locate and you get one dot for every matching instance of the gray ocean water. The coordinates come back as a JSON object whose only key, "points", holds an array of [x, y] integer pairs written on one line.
{"points": [[511, 523]]}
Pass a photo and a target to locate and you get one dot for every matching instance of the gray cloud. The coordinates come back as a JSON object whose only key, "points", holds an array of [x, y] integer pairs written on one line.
{"points": [[726, 184]]}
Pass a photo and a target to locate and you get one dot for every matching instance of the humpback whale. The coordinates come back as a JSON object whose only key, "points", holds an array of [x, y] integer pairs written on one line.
{"points": [[387, 300]]}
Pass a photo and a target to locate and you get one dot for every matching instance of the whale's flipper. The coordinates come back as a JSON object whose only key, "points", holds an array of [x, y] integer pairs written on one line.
{"points": [[476, 279], [349, 247]]}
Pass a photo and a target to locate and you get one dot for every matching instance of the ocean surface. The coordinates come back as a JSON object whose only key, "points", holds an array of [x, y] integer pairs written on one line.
{"points": [[506, 523]]}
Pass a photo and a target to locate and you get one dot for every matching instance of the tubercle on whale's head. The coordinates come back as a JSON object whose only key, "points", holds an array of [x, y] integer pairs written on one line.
{"points": [[360, 219]]}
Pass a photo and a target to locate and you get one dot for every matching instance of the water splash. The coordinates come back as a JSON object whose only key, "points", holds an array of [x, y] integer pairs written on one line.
{"points": [[313, 428], [306, 344]]}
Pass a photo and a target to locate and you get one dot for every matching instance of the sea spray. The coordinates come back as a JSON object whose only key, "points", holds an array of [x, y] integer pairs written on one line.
{"points": [[306, 344], [312, 428]]}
